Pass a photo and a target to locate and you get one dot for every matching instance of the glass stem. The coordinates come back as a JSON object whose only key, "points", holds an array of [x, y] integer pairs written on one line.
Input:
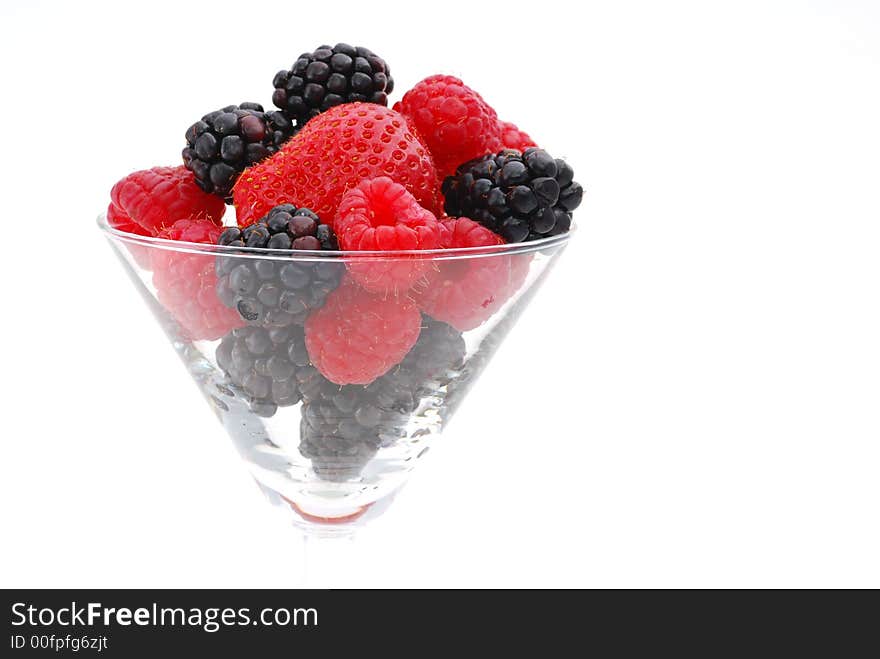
{"points": [[329, 560]]}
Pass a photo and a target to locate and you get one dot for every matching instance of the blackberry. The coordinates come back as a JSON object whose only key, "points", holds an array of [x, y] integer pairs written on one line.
{"points": [[223, 143], [521, 196], [331, 76], [433, 361], [343, 427], [263, 365], [276, 292]]}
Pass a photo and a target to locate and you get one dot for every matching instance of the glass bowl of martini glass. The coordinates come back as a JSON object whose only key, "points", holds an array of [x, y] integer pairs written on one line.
{"points": [[260, 350]]}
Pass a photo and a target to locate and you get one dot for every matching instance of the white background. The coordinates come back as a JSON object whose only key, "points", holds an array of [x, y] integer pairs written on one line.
{"points": [[692, 400]]}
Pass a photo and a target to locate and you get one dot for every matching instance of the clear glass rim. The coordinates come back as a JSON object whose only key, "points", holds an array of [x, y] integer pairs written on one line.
{"points": [[329, 255]]}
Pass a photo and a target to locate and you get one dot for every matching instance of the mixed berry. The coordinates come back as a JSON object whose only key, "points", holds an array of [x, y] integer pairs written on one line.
{"points": [[520, 195], [261, 364], [223, 143], [331, 76], [272, 292], [358, 342]]}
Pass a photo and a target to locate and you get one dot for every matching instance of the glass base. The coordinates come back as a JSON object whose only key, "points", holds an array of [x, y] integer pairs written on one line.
{"points": [[325, 521]]}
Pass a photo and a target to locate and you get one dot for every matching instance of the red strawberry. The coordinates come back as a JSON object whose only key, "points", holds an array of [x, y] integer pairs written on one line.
{"points": [[334, 152], [454, 120]]}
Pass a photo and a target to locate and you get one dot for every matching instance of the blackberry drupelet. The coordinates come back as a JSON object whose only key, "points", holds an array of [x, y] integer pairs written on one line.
{"points": [[276, 292], [331, 76], [223, 143], [343, 427], [263, 365], [521, 196]]}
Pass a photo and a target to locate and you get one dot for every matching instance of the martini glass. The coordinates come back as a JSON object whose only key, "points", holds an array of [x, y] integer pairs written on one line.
{"points": [[332, 457]]}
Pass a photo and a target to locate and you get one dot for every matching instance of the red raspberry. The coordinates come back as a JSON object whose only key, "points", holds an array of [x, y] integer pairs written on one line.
{"points": [[156, 198], [513, 138], [193, 231], [464, 232], [334, 152], [466, 292], [454, 120], [186, 282], [380, 214], [119, 220], [357, 336]]}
